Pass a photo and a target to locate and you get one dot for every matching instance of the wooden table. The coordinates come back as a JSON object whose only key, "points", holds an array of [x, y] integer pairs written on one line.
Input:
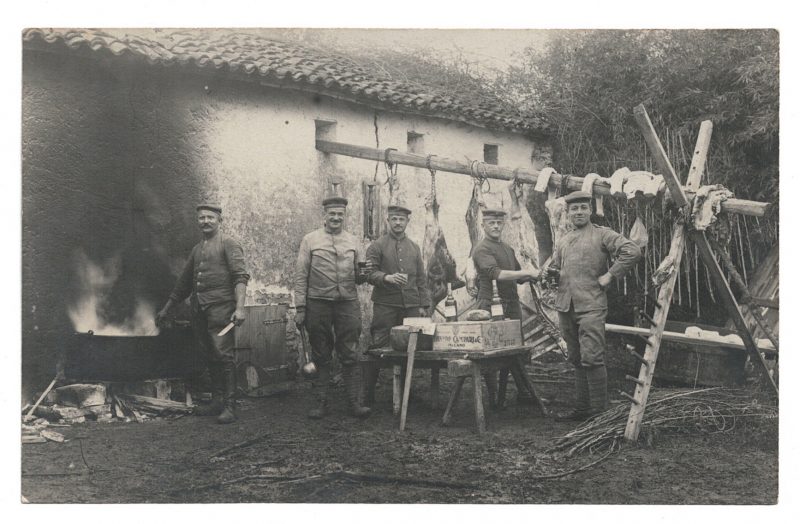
{"points": [[460, 364]]}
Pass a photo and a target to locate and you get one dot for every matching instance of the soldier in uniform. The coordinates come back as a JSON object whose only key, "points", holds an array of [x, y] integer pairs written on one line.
{"points": [[398, 277], [496, 260], [326, 298], [582, 257], [216, 279]]}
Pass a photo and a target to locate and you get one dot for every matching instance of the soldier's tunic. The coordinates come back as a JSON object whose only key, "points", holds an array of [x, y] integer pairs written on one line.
{"points": [[210, 275], [583, 256], [325, 285], [490, 257]]}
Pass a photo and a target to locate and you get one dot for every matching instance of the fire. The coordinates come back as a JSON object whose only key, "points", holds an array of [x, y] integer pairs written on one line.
{"points": [[86, 313]]}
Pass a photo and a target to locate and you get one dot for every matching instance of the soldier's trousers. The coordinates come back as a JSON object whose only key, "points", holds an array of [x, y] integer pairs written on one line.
{"points": [[384, 318], [333, 325], [585, 335]]}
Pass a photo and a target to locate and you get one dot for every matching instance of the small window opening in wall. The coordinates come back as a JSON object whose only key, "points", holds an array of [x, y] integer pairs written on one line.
{"points": [[415, 142], [490, 152]]}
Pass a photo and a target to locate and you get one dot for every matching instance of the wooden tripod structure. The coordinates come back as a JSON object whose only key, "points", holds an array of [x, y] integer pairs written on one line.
{"points": [[681, 231]]}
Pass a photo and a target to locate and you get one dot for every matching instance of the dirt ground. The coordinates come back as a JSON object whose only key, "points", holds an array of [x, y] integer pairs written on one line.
{"points": [[290, 458]]}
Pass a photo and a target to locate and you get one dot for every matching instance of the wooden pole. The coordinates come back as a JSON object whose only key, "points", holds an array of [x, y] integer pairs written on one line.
{"points": [[527, 176]]}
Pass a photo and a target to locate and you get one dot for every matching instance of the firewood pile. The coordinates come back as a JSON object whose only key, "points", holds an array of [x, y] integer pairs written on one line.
{"points": [[704, 411], [77, 403]]}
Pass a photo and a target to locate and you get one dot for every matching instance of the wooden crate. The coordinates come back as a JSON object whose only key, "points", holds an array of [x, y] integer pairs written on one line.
{"points": [[476, 336]]}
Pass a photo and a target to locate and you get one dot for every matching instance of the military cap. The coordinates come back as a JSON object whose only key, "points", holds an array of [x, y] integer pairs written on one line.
{"points": [[578, 196], [216, 208], [398, 210], [336, 201], [494, 213]]}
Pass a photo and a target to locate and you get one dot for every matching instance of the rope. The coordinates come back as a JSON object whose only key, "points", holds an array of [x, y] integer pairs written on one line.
{"points": [[481, 178], [433, 176], [391, 168], [564, 184]]}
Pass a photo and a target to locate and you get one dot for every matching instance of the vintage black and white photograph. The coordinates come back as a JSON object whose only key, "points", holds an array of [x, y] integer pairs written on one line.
{"points": [[399, 266]]}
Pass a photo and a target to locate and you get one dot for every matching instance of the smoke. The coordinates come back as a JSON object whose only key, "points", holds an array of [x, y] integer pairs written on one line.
{"points": [[91, 310]]}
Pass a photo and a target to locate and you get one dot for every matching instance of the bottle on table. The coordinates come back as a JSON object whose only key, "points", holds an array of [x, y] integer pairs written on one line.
{"points": [[497, 304], [450, 306]]}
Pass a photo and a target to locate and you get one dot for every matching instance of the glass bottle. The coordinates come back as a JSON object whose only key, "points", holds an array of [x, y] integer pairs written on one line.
{"points": [[450, 306], [497, 304]]}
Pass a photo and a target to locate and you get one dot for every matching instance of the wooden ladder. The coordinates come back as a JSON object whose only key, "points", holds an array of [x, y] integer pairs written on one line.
{"points": [[659, 319]]}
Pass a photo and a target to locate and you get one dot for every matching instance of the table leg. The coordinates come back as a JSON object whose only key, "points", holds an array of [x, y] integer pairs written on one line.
{"points": [[502, 387], [491, 387], [370, 372], [521, 379], [452, 401], [396, 391], [434, 388], [412, 349], [477, 386]]}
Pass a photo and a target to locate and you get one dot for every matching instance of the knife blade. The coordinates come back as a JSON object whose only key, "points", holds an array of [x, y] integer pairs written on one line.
{"points": [[225, 329]]}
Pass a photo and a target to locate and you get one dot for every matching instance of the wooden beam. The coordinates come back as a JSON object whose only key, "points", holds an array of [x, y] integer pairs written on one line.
{"points": [[682, 338], [527, 176], [764, 302], [695, 177], [660, 156]]}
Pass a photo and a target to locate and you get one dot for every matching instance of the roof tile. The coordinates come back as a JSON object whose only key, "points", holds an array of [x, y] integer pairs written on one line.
{"points": [[247, 53]]}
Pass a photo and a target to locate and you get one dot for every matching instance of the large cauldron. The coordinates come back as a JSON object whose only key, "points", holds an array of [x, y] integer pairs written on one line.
{"points": [[171, 354]]}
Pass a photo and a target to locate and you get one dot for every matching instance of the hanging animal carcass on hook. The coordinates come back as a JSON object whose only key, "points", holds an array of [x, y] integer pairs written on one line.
{"points": [[440, 265], [481, 199]]}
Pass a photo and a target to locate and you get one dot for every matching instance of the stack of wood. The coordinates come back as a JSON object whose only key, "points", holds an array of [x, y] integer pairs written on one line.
{"points": [[139, 408]]}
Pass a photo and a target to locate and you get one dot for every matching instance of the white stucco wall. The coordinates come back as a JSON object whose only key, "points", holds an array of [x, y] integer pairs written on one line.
{"points": [[259, 160]]}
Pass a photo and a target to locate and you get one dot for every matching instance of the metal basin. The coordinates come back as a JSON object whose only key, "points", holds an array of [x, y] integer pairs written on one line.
{"points": [[171, 354]]}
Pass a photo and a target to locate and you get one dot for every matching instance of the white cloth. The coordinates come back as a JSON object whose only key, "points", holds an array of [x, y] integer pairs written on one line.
{"points": [[643, 182], [543, 179], [588, 187], [618, 181]]}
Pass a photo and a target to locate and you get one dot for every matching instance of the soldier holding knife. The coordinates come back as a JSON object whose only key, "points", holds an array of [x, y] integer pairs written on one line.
{"points": [[215, 279]]}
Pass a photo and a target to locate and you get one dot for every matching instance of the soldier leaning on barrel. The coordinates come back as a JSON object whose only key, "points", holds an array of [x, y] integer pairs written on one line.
{"points": [[326, 298], [216, 279], [582, 256]]}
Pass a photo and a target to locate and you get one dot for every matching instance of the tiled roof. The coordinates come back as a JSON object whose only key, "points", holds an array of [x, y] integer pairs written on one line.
{"points": [[296, 65]]}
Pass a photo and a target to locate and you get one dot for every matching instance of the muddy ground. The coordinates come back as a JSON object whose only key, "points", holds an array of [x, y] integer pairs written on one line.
{"points": [[290, 458]]}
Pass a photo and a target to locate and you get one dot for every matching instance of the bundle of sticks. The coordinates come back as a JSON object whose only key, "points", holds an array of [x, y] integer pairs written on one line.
{"points": [[710, 410]]}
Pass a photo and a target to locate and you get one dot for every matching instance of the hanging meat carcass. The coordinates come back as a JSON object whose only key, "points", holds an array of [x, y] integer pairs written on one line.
{"points": [[520, 235], [439, 262]]}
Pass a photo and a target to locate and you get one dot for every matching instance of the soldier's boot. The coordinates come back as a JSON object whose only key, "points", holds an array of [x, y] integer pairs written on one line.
{"points": [[228, 414], [582, 409], [597, 378], [215, 407], [353, 387], [321, 384]]}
